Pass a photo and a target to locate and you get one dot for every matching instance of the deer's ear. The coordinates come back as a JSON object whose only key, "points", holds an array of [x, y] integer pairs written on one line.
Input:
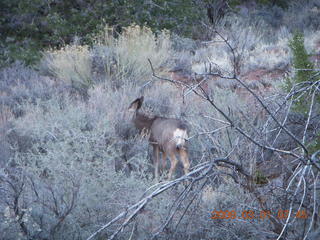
{"points": [[136, 104]]}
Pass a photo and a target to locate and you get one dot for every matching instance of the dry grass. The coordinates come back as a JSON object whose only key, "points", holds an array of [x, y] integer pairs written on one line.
{"points": [[71, 64], [120, 59], [215, 54], [251, 51], [129, 52], [268, 57]]}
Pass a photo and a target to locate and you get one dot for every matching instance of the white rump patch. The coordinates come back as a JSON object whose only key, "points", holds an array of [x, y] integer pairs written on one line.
{"points": [[180, 136]]}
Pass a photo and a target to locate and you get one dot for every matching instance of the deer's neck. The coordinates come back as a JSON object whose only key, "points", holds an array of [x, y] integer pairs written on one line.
{"points": [[142, 121]]}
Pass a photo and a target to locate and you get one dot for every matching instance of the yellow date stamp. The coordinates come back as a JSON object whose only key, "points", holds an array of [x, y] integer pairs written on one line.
{"points": [[262, 215]]}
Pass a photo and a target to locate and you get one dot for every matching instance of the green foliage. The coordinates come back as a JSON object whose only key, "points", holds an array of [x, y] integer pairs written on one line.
{"points": [[260, 178], [300, 58], [280, 3], [28, 26], [303, 68], [304, 72], [27, 51]]}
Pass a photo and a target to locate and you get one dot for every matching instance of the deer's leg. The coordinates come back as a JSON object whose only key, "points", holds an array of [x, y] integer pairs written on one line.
{"points": [[156, 161], [164, 160], [173, 163], [185, 160]]}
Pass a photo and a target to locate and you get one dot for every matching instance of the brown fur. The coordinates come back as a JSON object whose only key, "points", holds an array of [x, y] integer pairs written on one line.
{"points": [[161, 138]]}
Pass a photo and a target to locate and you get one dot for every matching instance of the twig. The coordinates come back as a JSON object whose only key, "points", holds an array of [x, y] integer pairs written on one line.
{"points": [[309, 117], [314, 205]]}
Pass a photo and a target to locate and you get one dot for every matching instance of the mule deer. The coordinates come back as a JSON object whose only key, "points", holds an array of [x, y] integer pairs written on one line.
{"points": [[167, 135]]}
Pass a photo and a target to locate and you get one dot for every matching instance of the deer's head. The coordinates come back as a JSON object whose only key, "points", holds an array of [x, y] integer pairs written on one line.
{"points": [[140, 120], [136, 104]]}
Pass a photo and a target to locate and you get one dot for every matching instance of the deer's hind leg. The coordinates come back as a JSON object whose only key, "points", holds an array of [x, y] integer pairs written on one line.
{"points": [[156, 161], [184, 159], [164, 160], [173, 163]]}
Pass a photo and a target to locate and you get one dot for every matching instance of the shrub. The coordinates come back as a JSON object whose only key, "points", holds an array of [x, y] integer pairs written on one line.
{"points": [[71, 159], [126, 57], [71, 64], [300, 58], [115, 60], [303, 69], [19, 84]]}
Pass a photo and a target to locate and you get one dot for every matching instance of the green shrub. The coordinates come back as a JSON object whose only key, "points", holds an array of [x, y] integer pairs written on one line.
{"points": [[303, 70], [300, 58]]}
